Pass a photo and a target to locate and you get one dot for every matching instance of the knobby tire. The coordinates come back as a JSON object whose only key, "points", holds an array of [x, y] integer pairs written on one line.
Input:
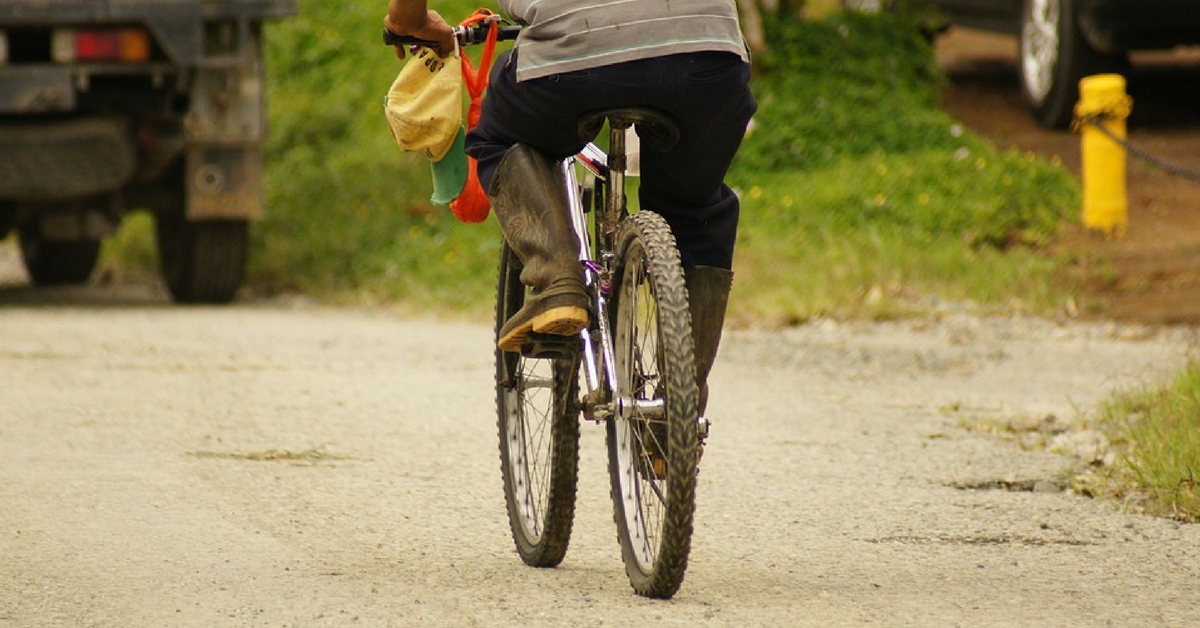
{"points": [[537, 402], [652, 459]]}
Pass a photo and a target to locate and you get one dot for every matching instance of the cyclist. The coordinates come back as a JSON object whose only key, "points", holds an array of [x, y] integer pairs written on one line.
{"points": [[684, 57]]}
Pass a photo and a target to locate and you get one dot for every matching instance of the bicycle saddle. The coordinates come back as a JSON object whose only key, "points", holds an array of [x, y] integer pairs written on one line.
{"points": [[656, 128]]}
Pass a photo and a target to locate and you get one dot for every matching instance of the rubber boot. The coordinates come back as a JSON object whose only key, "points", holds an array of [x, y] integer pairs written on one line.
{"points": [[708, 296], [530, 204]]}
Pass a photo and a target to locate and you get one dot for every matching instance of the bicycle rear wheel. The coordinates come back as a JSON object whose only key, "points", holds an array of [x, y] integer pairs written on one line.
{"points": [[653, 438], [538, 410]]}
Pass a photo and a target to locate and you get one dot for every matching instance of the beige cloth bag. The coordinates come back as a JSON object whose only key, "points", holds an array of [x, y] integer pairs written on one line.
{"points": [[424, 106]]}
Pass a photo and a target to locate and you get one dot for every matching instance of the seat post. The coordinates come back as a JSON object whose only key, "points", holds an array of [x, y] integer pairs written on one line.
{"points": [[616, 165], [655, 127]]}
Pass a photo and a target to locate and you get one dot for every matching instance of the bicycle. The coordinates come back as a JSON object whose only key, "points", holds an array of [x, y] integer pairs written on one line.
{"points": [[630, 370]]}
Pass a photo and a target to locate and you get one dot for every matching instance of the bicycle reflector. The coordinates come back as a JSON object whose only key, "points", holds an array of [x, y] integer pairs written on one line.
{"points": [[107, 45]]}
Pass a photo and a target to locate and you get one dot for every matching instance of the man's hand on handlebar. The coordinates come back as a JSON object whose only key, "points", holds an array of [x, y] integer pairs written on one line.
{"points": [[434, 29]]}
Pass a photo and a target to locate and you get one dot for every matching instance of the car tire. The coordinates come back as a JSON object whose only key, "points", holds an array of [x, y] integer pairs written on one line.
{"points": [[1054, 56]]}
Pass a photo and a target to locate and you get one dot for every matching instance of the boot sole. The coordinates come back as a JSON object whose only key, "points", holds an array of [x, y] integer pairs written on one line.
{"points": [[559, 321]]}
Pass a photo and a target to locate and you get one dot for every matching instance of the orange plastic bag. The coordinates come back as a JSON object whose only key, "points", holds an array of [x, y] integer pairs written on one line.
{"points": [[472, 204]]}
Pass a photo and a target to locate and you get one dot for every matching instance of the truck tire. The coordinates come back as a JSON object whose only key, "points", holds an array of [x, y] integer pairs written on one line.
{"points": [[53, 262], [201, 261]]}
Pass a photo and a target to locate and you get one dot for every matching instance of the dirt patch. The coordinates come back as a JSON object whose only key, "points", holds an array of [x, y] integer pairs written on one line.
{"points": [[1152, 274]]}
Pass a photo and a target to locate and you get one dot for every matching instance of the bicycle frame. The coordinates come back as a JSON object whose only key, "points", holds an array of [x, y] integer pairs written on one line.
{"points": [[602, 400], [599, 356]]}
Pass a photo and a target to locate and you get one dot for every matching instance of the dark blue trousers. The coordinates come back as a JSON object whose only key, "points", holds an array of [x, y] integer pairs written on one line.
{"points": [[708, 94]]}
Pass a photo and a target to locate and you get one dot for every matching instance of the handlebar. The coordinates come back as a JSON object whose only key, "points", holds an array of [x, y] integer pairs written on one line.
{"points": [[466, 36]]}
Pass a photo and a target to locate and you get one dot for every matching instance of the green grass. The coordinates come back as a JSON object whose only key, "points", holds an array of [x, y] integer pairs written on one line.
{"points": [[349, 218], [130, 254], [844, 87], [848, 129], [1156, 432], [851, 163], [861, 198], [893, 235]]}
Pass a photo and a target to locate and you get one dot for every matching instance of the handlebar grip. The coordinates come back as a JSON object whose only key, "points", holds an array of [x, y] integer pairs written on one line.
{"points": [[392, 39], [466, 36]]}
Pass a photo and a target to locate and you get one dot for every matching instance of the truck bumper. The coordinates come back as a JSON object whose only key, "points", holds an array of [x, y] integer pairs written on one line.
{"points": [[36, 90], [51, 161]]}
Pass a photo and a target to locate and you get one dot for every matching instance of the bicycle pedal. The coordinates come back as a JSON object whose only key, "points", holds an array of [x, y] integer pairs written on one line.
{"points": [[653, 467], [658, 466], [549, 346]]}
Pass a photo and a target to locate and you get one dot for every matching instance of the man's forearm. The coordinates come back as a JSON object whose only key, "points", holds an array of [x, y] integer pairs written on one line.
{"points": [[407, 16], [413, 18]]}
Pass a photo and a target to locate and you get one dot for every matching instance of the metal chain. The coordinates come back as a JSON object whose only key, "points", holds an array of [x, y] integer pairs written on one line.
{"points": [[1140, 153]]}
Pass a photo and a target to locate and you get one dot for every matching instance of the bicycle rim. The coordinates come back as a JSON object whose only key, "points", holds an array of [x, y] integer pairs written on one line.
{"points": [[653, 439], [537, 408]]}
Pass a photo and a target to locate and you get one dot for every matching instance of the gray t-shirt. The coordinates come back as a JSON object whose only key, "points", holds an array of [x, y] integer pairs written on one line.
{"points": [[568, 35]]}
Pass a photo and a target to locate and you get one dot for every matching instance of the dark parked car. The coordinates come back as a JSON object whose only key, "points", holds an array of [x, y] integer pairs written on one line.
{"points": [[1063, 41]]}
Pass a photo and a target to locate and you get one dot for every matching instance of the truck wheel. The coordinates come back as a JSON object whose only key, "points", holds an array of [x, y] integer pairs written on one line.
{"points": [[202, 261], [52, 262]]}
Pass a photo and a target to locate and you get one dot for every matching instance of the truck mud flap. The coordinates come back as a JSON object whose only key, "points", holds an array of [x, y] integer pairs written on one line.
{"points": [[224, 183]]}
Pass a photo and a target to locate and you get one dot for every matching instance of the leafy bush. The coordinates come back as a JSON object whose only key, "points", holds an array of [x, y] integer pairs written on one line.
{"points": [[854, 97], [861, 197], [854, 183], [348, 213], [846, 86]]}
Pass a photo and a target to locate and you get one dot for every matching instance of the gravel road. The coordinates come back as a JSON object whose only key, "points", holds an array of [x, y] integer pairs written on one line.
{"points": [[291, 465]]}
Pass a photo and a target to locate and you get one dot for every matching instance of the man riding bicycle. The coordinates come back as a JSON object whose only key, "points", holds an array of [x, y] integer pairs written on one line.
{"points": [[686, 58]]}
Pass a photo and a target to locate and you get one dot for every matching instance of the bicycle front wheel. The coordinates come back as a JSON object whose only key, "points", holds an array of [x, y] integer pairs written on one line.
{"points": [[538, 407], [653, 437]]}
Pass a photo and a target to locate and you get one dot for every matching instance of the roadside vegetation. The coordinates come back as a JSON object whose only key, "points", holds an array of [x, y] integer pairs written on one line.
{"points": [[861, 199], [1154, 435]]}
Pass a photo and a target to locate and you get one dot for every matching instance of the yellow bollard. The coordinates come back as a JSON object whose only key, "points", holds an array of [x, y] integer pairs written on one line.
{"points": [[1103, 101]]}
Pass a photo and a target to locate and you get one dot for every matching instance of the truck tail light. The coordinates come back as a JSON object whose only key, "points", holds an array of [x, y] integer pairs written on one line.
{"points": [[109, 45]]}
